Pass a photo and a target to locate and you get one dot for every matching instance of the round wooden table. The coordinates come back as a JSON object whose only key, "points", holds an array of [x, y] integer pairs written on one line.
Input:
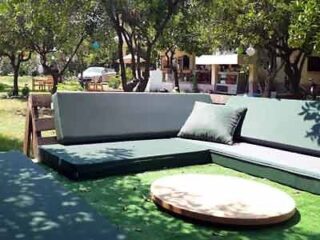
{"points": [[222, 199]]}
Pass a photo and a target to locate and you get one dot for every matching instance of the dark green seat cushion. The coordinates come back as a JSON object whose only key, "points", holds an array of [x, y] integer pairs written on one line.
{"points": [[210, 122], [301, 167], [103, 159], [285, 160], [35, 206], [101, 117], [288, 124]]}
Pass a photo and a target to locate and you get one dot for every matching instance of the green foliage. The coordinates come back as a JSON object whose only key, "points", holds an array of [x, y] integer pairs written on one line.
{"points": [[70, 85], [288, 29], [140, 24], [2, 87], [305, 24], [25, 91], [189, 29], [5, 67], [114, 82], [129, 74]]}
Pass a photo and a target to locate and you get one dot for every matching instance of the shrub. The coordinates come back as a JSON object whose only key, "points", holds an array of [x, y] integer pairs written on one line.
{"points": [[25, 91], [114, 82], [2, 87], [70, 85], [129, 74]]}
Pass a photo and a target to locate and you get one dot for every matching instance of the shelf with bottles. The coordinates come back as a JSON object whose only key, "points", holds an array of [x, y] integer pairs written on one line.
{"points": [[228, 74]]}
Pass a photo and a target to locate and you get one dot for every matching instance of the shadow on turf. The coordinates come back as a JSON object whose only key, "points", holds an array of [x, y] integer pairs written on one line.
{"points": [[125, 201]]}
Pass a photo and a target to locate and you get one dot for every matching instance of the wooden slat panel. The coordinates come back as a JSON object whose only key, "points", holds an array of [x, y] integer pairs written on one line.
{"points": [[41, 100], [47, 140], [44, 124]]}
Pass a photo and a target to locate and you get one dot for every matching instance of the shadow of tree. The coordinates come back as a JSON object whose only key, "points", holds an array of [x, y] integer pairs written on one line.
{"points": [[7, 143], [125, 201], [34, 206], [311, 112]]}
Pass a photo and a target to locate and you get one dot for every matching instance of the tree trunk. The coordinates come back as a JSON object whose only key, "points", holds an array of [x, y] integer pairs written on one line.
{"points": [[15, 64], [56, 79], [267, 87], [174, 70], [139, 60], [176, 79], [121, 63], [294, 72], [144, 81], [15, 91]]}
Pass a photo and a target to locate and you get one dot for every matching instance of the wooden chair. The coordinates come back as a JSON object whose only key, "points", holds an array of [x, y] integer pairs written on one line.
{"points": [[42, 83], [95, 87], [38, 120], [38, 82], [49, 83]]}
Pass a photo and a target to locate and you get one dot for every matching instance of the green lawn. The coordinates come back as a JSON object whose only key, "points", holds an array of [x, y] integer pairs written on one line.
{"points": [[6, 83], [12, 121], [124, 200]]}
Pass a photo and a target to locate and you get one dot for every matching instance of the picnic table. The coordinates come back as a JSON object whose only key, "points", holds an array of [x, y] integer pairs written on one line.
{"points": [[42, 83]]}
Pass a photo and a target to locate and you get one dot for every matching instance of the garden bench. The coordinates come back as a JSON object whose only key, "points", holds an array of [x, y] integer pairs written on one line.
{"points": [[35, 206]]}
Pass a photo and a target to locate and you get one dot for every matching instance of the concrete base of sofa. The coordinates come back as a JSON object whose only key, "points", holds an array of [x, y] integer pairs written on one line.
{"points": [[104, 159], [294, 180], [35, 206]]}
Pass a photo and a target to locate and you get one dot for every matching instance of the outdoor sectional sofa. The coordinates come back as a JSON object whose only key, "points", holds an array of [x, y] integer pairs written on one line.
{"points": [[102, 134]]}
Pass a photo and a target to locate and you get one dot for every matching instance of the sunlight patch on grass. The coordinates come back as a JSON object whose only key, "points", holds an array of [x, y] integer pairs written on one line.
{"points": [[12, 123], [125, 201]]}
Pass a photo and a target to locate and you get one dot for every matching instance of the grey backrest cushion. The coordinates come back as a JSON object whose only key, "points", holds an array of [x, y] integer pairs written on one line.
{"points": [[98, 117], [289, 124]]}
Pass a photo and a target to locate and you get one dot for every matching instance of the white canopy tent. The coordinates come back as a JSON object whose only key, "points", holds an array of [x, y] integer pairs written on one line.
{"points": [[128, 59], [227, 59], [232, 59]]}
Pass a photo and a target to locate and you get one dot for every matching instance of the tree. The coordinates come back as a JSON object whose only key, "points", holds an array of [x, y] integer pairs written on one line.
{"points": [[139, 24], [273, 26], [186, 31], [97, 50], [305, 20], [12, 45], [51, 27]]}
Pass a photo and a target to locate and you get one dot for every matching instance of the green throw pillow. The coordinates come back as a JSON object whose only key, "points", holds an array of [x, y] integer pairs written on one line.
{"points": [[214, 123]]}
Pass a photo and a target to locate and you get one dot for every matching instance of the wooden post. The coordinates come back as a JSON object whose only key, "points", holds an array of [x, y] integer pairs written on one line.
{"points": [[27, 132]]}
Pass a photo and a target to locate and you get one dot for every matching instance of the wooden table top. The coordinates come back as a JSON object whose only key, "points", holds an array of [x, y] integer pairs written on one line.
{"points": [[223, 199]]}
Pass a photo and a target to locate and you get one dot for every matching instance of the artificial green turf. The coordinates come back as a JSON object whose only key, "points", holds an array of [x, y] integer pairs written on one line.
{"points": [[125, 201]]}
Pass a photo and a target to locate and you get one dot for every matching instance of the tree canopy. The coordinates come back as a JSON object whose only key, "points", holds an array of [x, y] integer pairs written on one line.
{"points": [[285, 28]]}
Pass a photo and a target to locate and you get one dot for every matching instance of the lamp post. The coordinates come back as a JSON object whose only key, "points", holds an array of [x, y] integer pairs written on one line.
{"points": [[251, 52]]}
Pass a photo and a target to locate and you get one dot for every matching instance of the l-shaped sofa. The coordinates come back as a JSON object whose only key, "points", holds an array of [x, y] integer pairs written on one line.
{"points": [[102, 134]]}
